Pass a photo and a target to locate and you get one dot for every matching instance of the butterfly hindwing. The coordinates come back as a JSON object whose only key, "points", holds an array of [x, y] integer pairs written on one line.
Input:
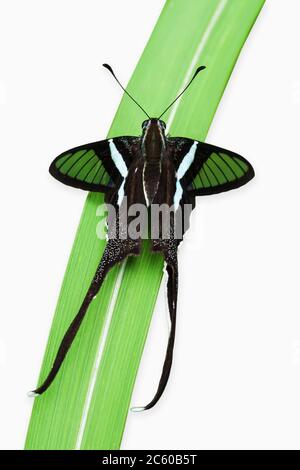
{"points": [[96, 166], [206, 169]]}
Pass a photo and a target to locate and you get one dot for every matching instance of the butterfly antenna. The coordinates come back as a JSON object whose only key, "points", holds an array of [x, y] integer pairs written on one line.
{"points": [[194, 76], [108, 67]]}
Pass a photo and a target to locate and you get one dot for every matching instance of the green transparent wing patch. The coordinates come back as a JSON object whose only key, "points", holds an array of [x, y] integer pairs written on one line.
{"points": [[206, 169], [84, 165], [81, 168], [218, 170]]}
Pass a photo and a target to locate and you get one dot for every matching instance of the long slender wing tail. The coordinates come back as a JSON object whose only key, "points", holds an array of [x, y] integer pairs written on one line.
{"points": [[116, 251], [170, 255]]}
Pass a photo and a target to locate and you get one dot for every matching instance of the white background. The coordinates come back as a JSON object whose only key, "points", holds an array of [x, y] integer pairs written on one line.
{"points": [[236, 376]]}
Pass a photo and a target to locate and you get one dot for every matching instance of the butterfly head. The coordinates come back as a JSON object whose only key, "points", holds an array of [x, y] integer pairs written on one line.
{"points": [[152, 125], [153, 141]]}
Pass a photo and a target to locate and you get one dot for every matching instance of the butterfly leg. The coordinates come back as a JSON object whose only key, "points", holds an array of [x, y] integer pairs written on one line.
{"points": [[116, 251]]}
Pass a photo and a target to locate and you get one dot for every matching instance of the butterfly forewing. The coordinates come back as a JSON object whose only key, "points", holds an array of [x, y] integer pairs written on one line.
{"points": [[92, 167], [208, 169]]}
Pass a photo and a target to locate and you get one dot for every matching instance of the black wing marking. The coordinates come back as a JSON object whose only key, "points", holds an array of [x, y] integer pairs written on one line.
{"points": [[96, 166], [206, 169]]}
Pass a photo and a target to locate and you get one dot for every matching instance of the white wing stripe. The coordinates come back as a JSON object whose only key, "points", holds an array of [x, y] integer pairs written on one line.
{"points": [[187, 161], [177, 195], [121, 166], [118, 159], [121, 193], [182, 169]]}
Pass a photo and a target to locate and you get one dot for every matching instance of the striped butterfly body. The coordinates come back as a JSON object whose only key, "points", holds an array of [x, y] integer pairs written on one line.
{"points": [[150, 170]]}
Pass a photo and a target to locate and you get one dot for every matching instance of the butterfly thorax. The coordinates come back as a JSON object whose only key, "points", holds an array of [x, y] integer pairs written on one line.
{"points": [[153, 147], [153, 142]]}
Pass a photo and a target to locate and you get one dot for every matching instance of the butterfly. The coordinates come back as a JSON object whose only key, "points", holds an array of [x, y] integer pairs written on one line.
{"points": [[153, 169]]}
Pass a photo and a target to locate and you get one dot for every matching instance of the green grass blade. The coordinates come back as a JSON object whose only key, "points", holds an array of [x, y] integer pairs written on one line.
{"points": [[132, 315], [76, 412]]}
